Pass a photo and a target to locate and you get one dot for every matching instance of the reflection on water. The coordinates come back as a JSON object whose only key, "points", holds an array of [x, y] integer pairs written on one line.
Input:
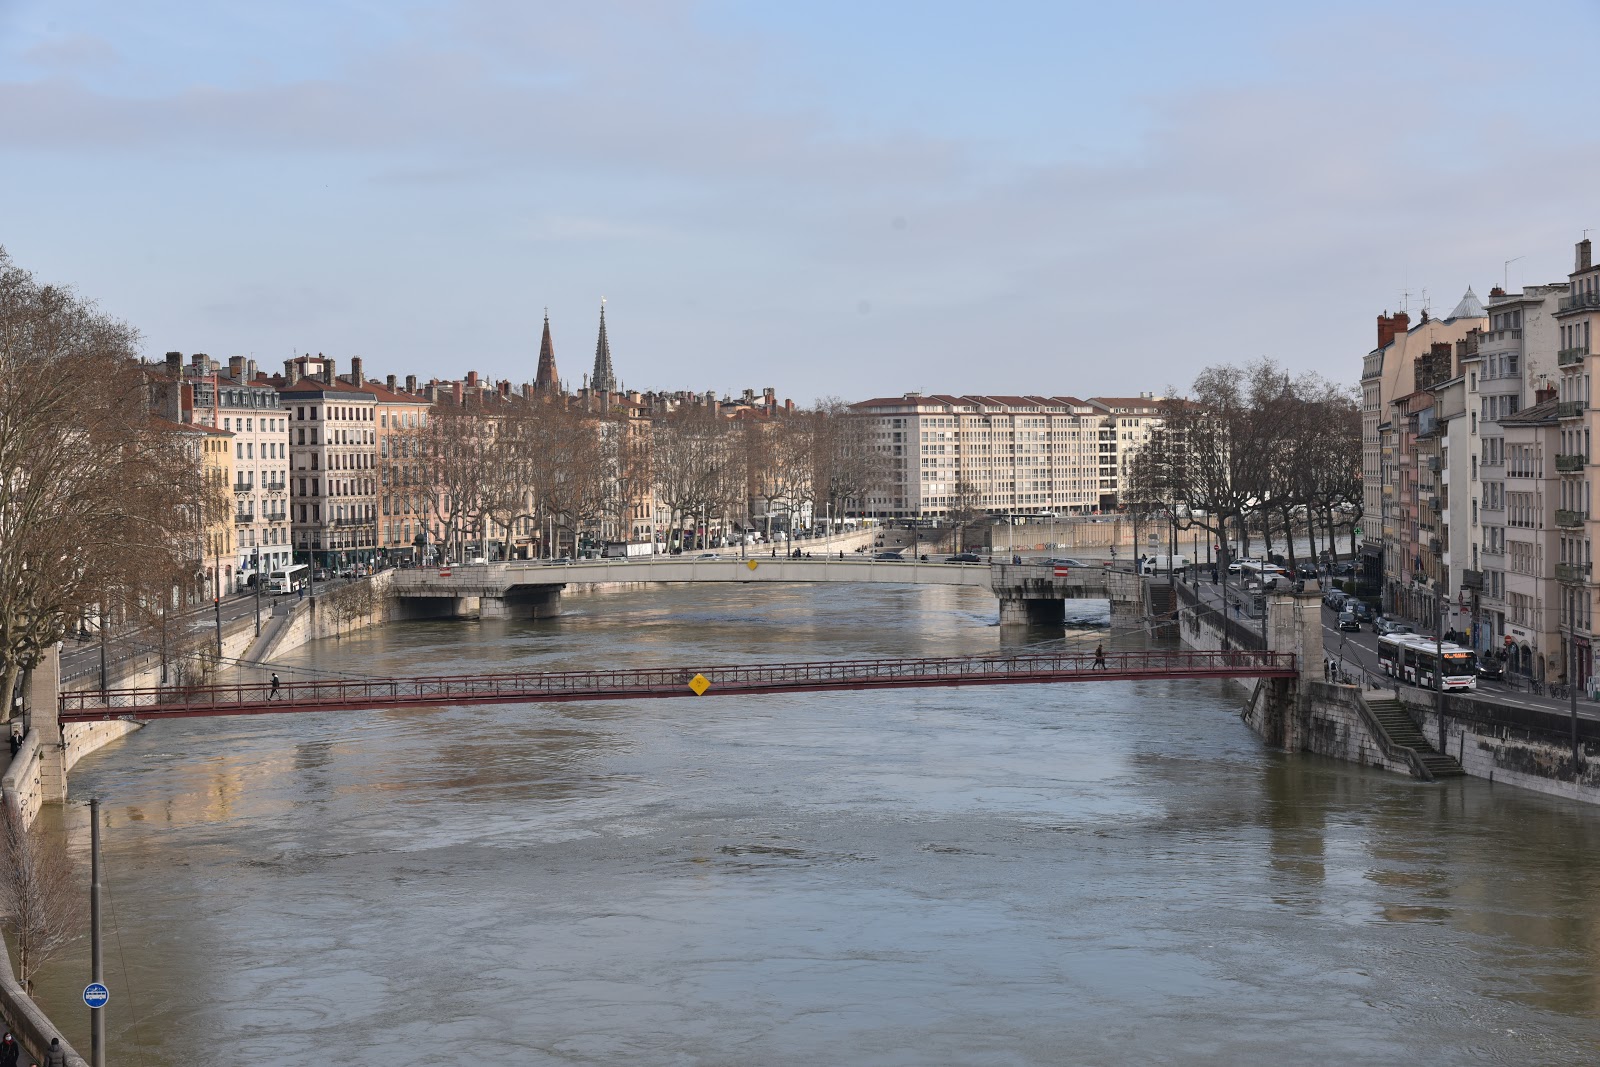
{"points": [[1106, 873]]}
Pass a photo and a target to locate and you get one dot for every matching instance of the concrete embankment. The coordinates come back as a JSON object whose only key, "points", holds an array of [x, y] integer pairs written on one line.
{"points": [[1394, 729]]}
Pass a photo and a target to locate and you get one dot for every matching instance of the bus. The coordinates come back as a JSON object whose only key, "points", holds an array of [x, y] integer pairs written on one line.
{"points": [[291, 579], [1264, 574], [1412, 658]]}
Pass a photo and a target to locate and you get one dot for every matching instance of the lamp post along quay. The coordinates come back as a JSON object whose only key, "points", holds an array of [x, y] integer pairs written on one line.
{"points": [[97, 972]]}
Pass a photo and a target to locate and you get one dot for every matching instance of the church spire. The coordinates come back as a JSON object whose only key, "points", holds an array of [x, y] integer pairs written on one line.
{"points": [[547, 381], [604, 378]]}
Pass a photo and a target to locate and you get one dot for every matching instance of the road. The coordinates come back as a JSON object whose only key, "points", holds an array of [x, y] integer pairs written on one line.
{"points": [[1357, 652]]}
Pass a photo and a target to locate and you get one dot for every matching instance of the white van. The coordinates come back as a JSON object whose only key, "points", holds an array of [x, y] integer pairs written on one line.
{"points": [[1163, 564]]}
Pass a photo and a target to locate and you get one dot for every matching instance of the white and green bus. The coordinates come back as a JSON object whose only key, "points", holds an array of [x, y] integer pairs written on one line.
{"points": [[1413, 659], [291, 579]]}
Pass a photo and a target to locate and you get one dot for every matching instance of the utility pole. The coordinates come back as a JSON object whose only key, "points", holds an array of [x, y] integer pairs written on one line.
{"points": [[104, 621], [216, 604], [97, 973], [1438, 661], [258, 590], [1572, 697]]}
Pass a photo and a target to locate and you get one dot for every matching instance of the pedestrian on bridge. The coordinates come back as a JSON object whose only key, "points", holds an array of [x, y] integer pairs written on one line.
{"points": [[1100, 656], [9, 1051], [55, 1055], [274, 694]]}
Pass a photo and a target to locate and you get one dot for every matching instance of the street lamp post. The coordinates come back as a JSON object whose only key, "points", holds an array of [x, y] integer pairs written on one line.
{"points": [[1438, 663], [258, 590]]}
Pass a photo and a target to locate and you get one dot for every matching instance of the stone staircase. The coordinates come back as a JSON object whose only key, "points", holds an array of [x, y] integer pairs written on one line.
{"points": [[1403, 732]]}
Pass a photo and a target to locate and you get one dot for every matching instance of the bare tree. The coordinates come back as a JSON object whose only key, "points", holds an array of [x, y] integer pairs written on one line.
{"points": [[846, 466], [41, 905], [98, 501]]}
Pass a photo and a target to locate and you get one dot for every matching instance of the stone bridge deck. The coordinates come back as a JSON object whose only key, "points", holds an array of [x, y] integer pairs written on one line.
{"points": [[1035, 591]]}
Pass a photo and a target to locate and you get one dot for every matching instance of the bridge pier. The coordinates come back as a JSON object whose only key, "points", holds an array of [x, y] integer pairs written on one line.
{"points": [[523, 602], [1039, 612], [42, 707], [1280, 708]]}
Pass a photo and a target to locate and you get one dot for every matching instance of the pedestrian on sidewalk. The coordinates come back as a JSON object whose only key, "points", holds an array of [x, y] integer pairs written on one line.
{"points": [[1100, 656], [9, 1051], [274, 694], [55, 1055], [16, 746]]}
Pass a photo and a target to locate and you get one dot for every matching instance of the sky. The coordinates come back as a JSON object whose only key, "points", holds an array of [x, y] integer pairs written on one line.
{"points": [[831, 199]]}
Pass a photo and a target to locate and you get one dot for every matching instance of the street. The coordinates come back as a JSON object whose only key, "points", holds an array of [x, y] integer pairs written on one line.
{"points": [[1356, 653]]}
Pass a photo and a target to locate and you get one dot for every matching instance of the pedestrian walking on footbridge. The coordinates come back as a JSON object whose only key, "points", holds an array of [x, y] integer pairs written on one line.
{"points": [[274, 694], [1100, 656]]}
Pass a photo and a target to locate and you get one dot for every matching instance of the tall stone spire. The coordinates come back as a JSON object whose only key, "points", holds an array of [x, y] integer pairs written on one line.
{"points": [[546, 381], [604, 378]]}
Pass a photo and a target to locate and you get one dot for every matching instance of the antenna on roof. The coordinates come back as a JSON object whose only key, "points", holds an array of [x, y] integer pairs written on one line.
{"points": [[1405, 300], [1505, 273]]}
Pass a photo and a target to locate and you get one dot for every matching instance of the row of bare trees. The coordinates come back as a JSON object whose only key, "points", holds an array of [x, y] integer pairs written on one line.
{"points": [[540, 466], [1253, 448]]}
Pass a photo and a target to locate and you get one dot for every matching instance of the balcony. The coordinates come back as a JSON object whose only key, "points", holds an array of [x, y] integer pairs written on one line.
{"points": [[276, 487], [1472, 581], [244, 517], [1568, 356], [243, 487], [1570, 409], [1572, 572], [1434, 463], [1581, 300], [1571, 463], [1569, 518], [1435, 504], [1435, 546]]}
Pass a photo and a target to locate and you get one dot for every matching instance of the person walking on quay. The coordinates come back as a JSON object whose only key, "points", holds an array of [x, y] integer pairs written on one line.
{"points": [[55, 1055], [1100, 656], [9, 1051], [274, 694]]}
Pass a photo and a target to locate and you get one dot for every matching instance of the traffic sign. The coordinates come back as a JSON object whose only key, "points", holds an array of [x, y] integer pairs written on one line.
{"points": [[752, 564], [95, 995], [1062, 570], [699, 683]]}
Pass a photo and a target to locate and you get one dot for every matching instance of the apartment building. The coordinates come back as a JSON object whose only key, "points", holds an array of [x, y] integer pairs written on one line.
{"points": [[215, 550], [333, 468], [403, 523], [1576, 316], [1530, 444], [950, 454], [1405, 456], [1516, 357]]}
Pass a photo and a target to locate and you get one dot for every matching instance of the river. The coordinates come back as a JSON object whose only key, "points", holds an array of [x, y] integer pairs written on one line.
{"points": [[1115, 873]]}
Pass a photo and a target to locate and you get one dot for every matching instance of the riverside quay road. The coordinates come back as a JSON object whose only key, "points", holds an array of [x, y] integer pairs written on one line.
{"points": [[538, 687]]}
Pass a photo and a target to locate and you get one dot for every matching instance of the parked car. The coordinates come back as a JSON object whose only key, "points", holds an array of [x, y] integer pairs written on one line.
{"points": [[1348, 621], [889, 557], [964, 557], [1335, 598]]}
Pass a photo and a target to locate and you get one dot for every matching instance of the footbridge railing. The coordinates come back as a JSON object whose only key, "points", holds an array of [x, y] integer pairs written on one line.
{"points": [[257, 698]]}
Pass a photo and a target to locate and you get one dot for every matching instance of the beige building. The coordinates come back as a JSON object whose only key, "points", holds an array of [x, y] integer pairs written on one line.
{"points": [[1403, 547], [1532, 636], [1027, 455], [333, 469], [1576, 316], [403, 527]]}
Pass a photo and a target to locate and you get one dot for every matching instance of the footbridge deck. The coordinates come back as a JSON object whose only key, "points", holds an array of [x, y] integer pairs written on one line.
{"points": [[530, 687]]}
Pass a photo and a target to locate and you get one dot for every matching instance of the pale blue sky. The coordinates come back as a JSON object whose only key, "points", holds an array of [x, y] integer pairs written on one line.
{"points": [[828, 198]]}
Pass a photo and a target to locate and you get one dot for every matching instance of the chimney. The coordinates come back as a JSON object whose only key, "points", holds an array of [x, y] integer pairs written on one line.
{"points": [[456, 392], [505, 387], [1496, 291], [472, 378], [788, 406], [1543, 393], [236, 367], [250, 369], [356, 377], [175, 364], [431, 393], [1583, 256], [411, 383], [390, 383], [330, 369], [291, 370]]}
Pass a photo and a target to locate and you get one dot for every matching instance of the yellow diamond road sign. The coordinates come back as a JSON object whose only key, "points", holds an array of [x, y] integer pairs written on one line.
{"points": [[752, 564], [699, 684]]}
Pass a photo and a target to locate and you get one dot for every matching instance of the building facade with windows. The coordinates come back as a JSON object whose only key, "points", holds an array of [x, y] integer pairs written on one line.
{"points": [[1531, 638], [333, 469], [1577, 315], [949, 455]]}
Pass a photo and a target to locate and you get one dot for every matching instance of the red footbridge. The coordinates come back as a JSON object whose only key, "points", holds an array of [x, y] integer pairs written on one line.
{"points": [[535, 687]]}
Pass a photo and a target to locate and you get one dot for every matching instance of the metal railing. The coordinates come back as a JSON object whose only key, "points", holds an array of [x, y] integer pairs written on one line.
{"points": [[1579, 300], [1572, 572], [1564, 517], [254, 698], [1570, 409], [1571, 463], [1568, 356]]}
